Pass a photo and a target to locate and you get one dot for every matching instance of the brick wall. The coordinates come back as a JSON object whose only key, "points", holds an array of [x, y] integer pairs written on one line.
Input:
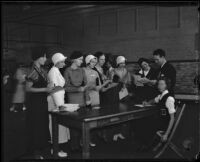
{"points": [[132, 31]]}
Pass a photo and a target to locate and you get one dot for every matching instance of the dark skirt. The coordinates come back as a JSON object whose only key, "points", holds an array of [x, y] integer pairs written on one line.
{"points": [[37, 121], [145, 93]]}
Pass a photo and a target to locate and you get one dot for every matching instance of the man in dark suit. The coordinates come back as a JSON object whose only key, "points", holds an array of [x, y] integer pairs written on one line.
{"points": [[166, 69]]}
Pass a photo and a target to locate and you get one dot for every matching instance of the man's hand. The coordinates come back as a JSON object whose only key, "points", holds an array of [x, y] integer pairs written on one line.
{"points": [[144, 103], [152, 82]]}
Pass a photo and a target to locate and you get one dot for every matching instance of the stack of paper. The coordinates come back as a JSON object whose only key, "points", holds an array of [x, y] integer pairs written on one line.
{"points": [[70, 107], [141, 105]]}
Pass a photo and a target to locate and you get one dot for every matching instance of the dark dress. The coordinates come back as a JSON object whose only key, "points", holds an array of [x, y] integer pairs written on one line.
{"points": [[37, 113]]}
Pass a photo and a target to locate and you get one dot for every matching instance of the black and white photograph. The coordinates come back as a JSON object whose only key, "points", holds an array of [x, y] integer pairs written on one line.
{"points": [[100, 80]]}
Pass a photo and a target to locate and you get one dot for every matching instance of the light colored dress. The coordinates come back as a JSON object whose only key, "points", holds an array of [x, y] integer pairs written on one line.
{"points": [[92, 80], [75, 78], [56, 100], [19, 95]]}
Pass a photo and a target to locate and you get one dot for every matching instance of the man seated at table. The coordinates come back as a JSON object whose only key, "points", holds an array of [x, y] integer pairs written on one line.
{"points": [[166, 103]]}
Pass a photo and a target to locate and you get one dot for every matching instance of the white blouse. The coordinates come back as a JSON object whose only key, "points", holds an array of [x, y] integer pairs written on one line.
{"points": [[169, 102], [55, 77]]}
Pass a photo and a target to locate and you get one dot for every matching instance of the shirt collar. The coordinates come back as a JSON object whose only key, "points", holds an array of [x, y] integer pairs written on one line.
{"points": [[141, 71], [163, 64], [164, 93]]}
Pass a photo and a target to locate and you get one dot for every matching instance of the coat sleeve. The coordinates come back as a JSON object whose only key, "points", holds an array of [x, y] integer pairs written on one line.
{"points": [[32, 76]]}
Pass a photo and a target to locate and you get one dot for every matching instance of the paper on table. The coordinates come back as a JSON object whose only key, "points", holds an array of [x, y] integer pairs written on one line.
{"points": [[141, 105]]}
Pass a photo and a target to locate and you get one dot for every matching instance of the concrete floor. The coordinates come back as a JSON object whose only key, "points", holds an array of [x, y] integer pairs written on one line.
{"points": [[14, 145]]}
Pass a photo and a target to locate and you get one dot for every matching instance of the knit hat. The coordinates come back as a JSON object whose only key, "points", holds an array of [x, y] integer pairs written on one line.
{"points": [[75, 55], [120, 59], [57, 57], [89, 58]]}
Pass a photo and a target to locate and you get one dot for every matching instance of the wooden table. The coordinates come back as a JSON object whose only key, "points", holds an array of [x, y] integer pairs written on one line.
{"points": [[86, 119]]}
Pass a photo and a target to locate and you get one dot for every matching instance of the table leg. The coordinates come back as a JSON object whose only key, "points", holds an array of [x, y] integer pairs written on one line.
{"points": [[55, 136], [86, 141]]}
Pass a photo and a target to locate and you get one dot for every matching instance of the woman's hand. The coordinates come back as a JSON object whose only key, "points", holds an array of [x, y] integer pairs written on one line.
{"points": [[164, 138], [98, 88], [107, 82], [48, 89], [82, 89], [90, 87]]}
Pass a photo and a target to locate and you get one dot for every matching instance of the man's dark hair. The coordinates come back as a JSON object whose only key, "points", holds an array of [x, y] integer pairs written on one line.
{"points": [[159, 52]]}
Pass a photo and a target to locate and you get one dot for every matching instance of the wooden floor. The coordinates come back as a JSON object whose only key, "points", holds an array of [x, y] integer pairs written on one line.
{"points": [[14, 139]]}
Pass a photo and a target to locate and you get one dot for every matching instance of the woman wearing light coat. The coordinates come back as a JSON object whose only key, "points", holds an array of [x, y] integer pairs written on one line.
{"points": [[57, 96]]}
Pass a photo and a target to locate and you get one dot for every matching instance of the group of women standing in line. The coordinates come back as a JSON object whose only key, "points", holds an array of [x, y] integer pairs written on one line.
{"points": [[46, 91], [86, 86]]}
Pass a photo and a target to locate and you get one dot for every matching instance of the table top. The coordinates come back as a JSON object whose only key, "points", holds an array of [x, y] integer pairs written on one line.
{"points": [[90, 114]]}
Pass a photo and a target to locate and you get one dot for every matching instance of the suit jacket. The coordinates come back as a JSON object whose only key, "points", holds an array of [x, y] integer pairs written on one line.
{"points": [[168, 71], [152, 74]]}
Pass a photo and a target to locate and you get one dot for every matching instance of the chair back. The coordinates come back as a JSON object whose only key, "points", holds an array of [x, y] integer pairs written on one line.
{"points": [[180, 107]]}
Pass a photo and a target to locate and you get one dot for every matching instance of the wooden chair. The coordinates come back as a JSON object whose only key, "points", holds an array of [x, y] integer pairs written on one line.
{"points": [[160, 150]]}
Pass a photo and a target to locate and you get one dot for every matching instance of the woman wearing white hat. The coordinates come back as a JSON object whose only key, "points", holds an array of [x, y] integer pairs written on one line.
{"points": [[57, 95], [93, 81], [124, 78], [123, 75]]}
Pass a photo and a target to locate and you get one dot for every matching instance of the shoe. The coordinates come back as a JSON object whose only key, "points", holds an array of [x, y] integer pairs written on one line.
{"points": [[38, 157], [60, 153], [12, 109], [92, 144], [121, 136], [115, 137]]}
